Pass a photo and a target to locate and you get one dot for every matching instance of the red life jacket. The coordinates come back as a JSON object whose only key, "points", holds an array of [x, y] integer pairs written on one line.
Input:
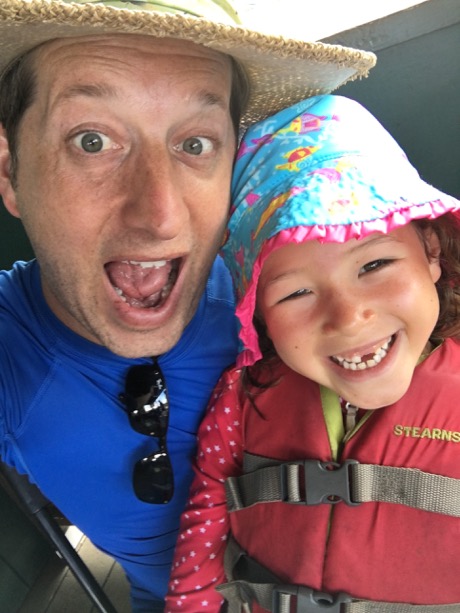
{"points": [[376, 551]]}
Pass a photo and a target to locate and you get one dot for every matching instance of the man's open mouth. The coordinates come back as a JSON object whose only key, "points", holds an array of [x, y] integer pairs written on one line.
{"points": [[369, 360], [143, 284]]}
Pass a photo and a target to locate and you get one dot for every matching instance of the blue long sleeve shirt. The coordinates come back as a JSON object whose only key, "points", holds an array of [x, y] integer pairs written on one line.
{"points": [[61, 420]]}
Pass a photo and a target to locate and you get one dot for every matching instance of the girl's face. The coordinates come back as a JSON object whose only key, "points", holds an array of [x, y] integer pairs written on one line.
{"points": [[354, 317]]}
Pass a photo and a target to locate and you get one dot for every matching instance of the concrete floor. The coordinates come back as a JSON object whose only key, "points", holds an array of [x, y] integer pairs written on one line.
{"points": [[57, 591]]}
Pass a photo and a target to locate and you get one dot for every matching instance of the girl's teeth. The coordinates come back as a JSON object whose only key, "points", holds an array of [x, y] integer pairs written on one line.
{"points": [[356, 362]]}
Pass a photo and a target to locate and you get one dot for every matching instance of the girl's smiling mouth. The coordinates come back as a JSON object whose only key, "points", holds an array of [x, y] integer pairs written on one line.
{"points": [[368, 360]]}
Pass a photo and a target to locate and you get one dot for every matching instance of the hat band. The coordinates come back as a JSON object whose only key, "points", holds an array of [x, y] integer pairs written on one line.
{"points": [[206, 9]]}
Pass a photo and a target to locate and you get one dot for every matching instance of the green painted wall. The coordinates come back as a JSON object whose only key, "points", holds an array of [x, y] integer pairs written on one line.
{"points": [[414, 90], [14, 244]]}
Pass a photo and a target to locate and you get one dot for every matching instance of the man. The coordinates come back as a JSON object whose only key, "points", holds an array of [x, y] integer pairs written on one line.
{"points": [[119, 128]]}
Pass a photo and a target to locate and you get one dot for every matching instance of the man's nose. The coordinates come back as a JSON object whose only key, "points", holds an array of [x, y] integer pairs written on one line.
{"points": [[345, 313], [156, 200]]}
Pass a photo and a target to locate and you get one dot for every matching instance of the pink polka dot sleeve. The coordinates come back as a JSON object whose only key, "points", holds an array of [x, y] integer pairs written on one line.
{"points": [[198, 562]]}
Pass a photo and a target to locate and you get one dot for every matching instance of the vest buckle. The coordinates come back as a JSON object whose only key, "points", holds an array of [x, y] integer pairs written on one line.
{"points": [[324, 483], [307, 600]]}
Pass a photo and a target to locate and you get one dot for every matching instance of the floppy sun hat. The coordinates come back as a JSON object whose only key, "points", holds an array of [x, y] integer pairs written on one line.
{"points": [[281, 71], [322, 169]]}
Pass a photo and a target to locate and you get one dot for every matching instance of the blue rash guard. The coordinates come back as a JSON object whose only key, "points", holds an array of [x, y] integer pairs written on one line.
{"points": [[61, 420]]}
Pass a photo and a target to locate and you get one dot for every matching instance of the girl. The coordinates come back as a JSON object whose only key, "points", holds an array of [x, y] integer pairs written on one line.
{"points": [[330, 453]]}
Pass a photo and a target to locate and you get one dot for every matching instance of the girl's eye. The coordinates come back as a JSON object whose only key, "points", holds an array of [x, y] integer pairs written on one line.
{"points": [[296, 294], [92, 142], [374, 265], [197, 145]]}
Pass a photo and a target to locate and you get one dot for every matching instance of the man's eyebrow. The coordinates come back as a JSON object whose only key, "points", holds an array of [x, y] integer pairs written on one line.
{"points": [[212, 99], [90, 90], [85, 90], [103, 90]]}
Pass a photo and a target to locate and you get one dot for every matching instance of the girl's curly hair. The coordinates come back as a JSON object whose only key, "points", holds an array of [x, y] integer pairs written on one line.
{"points": [[447, 229]]}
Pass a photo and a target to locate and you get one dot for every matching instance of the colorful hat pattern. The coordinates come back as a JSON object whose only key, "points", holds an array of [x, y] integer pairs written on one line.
{"points": [[323, 169]]}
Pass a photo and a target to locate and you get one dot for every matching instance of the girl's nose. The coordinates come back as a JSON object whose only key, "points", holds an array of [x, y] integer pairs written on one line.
{"points": [[346, 314]]}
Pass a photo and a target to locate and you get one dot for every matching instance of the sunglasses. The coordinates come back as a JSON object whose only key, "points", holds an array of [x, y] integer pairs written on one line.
{"points": [[147, 404]]}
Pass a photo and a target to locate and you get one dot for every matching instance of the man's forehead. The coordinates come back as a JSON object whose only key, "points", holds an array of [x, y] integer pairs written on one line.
{"points": [[104, 66], [101, 60]]}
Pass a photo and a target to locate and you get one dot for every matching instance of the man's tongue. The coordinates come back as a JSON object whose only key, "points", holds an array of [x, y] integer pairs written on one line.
{"points": [[140, 284]]}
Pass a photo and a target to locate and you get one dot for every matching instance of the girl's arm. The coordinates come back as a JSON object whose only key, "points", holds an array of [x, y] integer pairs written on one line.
{"points": [[198, 562]]}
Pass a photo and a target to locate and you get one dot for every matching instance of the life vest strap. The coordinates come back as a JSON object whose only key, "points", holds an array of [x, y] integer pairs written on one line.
{"points": [[279, 598], [312, 482], [250, 581]]}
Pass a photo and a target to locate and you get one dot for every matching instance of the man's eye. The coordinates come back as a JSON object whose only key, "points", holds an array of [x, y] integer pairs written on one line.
{"points": [[197, 145], [92, 142]]}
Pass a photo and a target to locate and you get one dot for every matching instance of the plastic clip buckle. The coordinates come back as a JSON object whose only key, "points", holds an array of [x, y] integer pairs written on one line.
{"points": [[308, 601], [327, 482]]}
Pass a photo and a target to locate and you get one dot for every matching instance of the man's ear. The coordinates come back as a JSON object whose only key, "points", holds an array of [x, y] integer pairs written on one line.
{"points": [[7, 191], [433, 249]]}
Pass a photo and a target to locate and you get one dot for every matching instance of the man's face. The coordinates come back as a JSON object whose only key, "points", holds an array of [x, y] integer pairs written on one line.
{"points": [[124, 166]]}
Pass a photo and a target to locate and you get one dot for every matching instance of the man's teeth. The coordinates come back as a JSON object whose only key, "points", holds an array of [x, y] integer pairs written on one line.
{"points": [[152, 264], [148, 302], [119, 292], [358, 363]]}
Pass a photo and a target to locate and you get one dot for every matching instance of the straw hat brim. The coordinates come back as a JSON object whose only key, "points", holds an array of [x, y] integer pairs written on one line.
{"points": [[281, 71]]}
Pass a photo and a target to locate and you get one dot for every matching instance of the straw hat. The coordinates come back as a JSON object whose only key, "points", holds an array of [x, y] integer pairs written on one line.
{"points": [[281, 71]]}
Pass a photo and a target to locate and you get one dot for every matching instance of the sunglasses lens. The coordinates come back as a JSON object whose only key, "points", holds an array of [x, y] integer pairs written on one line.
{"points": [[153, 478], [146, 399], [152, 419]]}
